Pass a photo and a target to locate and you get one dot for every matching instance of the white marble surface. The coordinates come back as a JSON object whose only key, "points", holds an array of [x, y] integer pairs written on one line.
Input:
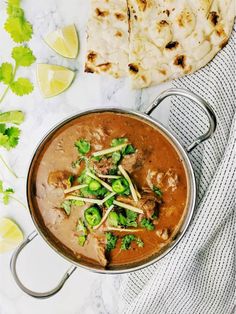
{"points": [[39, 266]]}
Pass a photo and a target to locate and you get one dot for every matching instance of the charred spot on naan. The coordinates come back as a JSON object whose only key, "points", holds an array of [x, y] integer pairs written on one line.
{"points": [[120, 16], [213, 17], [88, 69], [185, 18], [118, 34], [101, 13], [180, 61], [133, 68], [104, 67], [92, 56], [172, 45], [142, 5]]}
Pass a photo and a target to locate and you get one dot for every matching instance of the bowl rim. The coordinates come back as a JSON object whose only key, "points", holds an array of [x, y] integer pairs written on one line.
{"points": [[177, 146]]}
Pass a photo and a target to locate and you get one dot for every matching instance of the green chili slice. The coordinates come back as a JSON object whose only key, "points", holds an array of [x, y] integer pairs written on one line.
{"points": [[93, 216]]}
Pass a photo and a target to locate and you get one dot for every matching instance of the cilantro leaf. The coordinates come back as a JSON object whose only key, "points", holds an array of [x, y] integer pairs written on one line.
{"points": [[23, 56], [6, 73], [14, 2], [146, 223], [118, 141], [83, 146], [66, 205], [13, 134], [111, 241], [22, 86], [126, 241], [19, 29], [15, 117], [4, 140], [6, 194], [81, 240], [157, 191], [9, 137]]}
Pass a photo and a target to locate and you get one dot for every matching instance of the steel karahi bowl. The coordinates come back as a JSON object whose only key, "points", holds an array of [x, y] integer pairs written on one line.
{"points": [[191, 200]]}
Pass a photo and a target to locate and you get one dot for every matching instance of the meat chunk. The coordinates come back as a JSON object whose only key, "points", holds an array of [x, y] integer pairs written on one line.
{"points": [[134, 161], [167, 180], [148, 202], [59, 179], [99, 248], [164, 234], [102, 166]]}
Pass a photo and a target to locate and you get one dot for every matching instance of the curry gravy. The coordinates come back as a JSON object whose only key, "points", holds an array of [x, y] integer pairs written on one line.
{"points": [[161, 162]]}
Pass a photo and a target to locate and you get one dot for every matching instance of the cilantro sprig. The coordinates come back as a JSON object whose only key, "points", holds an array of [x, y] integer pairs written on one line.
{"points": [[23, 57], [16, 24], [7, 195]]}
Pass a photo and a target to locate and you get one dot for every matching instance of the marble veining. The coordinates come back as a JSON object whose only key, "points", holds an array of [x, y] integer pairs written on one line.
{"points": [[40, 268]]}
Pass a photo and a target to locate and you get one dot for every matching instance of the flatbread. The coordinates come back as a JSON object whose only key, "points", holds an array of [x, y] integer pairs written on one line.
{"points": [[108, 38], [172, 38]]}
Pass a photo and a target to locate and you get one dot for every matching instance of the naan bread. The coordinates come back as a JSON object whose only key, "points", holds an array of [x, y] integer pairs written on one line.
{"points": [[108, 38], [172, 38]]}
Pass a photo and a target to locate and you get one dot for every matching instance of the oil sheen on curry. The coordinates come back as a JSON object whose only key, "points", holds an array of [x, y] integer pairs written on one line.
{"points": [[110, 188]]}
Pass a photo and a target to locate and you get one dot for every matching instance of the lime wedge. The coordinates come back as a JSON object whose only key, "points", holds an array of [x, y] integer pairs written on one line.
{"points": [[64, 41], [10, 235], [53, 79]]}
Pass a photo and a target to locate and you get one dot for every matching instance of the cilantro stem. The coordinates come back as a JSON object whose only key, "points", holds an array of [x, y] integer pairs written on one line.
{"points": [[12, 80], [4, 93], [8, 168], [17, 200]]}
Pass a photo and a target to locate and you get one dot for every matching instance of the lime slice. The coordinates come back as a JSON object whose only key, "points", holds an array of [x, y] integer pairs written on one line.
{"points": [[53, 79], [64, 41], [10, 235]]}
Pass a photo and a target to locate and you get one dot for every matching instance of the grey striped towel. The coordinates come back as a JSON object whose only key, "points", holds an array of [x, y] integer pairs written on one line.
{"points": [[198, 276]]}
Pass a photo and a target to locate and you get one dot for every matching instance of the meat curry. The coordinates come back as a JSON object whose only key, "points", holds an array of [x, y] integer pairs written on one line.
{"points": [[110, 188]]}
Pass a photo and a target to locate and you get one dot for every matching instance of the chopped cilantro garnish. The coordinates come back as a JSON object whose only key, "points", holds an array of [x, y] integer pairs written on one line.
{"points": [[111, 241], [83, 146], [81, 227], [157, 191], [118, 141], [82, 240], [67, 204], [128, 239], [147, 223], [129, 149]]}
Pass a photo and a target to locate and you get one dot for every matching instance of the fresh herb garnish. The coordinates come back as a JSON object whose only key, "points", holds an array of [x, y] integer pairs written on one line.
{"points": [[16, 24], [113, 219], [128, 239], [118, 141], [147, 223], [116, 156], [83, 230], [83, 146], [81, 240], [111, 241], [9, 137], [157, 191], [67, 205], [24, 57], [129, 149], [7, 194]]}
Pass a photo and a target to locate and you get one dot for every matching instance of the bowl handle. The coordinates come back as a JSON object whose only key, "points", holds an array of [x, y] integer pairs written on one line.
{"points": [[39, 295], [196, 100]]}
